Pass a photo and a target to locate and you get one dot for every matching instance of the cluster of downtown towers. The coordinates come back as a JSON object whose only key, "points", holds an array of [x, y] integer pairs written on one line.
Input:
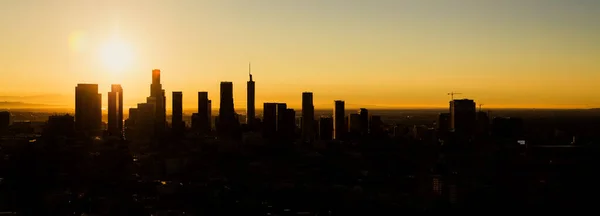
{"points": [[148, 119]]}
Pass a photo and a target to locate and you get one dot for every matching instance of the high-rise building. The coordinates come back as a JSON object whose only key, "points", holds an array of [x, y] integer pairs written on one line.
{"points": [[289, 124], [60, 126], [463, 117], [228, 122], [88, 109], [204, 112], [158, 93], [210, 117], [281, 113], [226, 108], [269, 123], [145, 124], [483, 123], [250, 106], [129, 131], [339, 123], [364, 121], [354, 125], [308, 117], [177, 116], [115, 111], [325, 128]]}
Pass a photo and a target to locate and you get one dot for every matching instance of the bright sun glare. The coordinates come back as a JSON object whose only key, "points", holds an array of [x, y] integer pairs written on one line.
{"points": [[116, 55]]}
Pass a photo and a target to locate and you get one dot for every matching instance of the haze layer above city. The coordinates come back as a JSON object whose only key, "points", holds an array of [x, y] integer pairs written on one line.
{"points": [[374, 54]]}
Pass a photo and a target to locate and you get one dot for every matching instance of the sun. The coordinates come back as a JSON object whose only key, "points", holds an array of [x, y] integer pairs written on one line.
{"points": [[116, 55]]}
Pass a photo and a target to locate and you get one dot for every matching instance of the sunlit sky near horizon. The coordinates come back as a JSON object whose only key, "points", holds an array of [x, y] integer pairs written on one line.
{"points": [[377, 53]]}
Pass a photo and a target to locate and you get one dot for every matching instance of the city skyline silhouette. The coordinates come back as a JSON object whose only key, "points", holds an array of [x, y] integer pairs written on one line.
{"points": [[537, 54], [298, 107]]}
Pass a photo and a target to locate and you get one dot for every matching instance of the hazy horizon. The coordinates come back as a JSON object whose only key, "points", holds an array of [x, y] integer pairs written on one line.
{"points": [[381, 53]]}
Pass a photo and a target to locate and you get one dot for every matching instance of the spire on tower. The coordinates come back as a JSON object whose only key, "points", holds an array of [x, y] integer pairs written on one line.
{"points": [[250, 70]]}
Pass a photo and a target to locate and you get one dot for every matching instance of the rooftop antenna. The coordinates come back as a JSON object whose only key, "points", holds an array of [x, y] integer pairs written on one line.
{"points": [[250, 70], [452, 94]]}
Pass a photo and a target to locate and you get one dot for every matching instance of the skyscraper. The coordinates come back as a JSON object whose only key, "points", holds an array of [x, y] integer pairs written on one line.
{"points": [[88, 109], [289, 124], [250, 108], [354, 125], [463, 116], [115, 111], [158, 94], [269, 124], [145, 124], [308, 117], [364, 121], [177, 116], [226, 108], [339, 117], [210, 118], [281, 114], [130, 124], [204, 112], [227, 118], [325, 128]]}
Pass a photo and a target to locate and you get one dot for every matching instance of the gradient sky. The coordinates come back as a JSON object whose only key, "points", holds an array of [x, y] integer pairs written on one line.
{"points": [[374, 54]]}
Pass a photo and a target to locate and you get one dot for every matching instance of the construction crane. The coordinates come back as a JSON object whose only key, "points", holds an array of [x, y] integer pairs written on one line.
{"points": [[452, 94]]}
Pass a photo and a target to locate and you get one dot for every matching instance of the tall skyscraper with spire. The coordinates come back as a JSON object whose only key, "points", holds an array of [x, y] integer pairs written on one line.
{"points": [[158, 95], [250, 107]]}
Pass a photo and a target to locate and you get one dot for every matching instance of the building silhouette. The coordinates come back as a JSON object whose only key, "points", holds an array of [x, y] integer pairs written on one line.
{"points": [[289, 124], [227, 122], [483, 124], [158, 93], [129, 128], [308, 117], [201, 120], [145, 123], [115, 111], [354, 125], [177, 123], [209, 116], [339, 120], [326, 128], [281, 114], [251, 96], [269, 123], [60, 126], [88, 109], [463, 117], [364, 121]]}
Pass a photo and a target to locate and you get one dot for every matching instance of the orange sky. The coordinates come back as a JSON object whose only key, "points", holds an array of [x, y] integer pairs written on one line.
{"points": [[372, 54]]}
